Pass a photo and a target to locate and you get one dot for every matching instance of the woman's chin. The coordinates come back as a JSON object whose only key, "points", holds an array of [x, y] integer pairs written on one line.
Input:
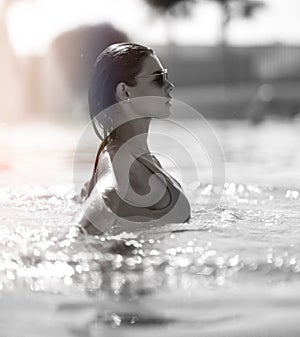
{"points": [[160, 112], [165, 111]]}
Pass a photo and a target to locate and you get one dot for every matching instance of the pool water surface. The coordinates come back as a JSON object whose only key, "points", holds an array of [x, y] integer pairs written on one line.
{"points": [[233, 270]]}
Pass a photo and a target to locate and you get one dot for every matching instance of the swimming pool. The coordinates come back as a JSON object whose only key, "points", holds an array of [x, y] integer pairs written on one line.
{"points": [[232, 271]]}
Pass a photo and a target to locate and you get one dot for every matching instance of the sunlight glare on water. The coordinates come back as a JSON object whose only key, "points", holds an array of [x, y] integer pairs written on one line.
{"points": [[216, 275]]}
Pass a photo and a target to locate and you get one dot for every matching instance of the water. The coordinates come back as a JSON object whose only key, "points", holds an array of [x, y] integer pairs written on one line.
{"points": [[232, 271]]}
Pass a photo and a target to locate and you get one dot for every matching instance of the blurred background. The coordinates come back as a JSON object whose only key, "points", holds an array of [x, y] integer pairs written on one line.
{"points": [[234, 61], [227, 58]]}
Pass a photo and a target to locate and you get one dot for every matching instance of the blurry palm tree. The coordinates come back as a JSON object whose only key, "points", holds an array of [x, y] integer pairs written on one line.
{"points": [[236, 8], [230, 9], [170, 9], [174, 7]]}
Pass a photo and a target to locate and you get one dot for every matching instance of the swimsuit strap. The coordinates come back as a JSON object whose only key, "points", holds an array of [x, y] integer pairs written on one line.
{"points": [[172, 184], [159, 169]]}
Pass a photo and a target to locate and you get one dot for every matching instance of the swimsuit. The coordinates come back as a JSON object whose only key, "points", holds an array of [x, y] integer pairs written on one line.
{"points": [[173, 187], [177, 211]]}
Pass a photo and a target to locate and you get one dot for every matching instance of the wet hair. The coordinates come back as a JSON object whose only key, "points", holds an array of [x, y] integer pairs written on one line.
{"points": [[120, 62]]}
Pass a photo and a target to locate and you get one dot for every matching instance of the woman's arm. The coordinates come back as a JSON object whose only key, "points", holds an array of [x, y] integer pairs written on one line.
{"points": [[96, 217]]}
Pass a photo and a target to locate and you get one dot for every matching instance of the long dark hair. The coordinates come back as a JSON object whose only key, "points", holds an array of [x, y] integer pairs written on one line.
{"points": [[119, 62]]}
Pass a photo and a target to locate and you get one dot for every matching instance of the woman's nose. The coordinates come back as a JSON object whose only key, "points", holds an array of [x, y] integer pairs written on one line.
{"points": [[170, 86]]}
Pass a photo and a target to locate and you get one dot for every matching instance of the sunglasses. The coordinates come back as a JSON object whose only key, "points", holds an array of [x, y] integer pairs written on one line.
{"points": [[160, 78]]}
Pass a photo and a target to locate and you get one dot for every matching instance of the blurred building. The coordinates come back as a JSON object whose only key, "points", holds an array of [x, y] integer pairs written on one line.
{"points": [[236, 82], [230, 82]]}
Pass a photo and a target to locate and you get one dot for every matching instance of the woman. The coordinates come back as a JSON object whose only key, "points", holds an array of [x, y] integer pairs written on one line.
{"points": [[129, 190]]}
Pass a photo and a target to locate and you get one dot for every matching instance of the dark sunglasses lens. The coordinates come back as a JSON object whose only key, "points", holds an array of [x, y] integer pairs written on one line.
{"points": [[161, 79]]}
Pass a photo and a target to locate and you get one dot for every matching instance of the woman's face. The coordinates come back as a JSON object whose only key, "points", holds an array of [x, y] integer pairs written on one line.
{"points": [[152, 81]]}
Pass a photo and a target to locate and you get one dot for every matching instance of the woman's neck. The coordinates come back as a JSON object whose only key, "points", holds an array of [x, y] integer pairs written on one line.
{"points": [[135, 132]]}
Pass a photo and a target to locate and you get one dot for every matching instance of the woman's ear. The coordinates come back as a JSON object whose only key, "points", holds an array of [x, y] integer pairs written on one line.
{"points": [[122, 92]]}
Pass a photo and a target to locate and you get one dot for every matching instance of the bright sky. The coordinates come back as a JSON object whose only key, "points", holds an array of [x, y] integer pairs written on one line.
{"points": [[34, 23]]}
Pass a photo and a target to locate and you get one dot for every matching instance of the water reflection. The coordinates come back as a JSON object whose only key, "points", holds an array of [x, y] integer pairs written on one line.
{"points": [[227, 267]]}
